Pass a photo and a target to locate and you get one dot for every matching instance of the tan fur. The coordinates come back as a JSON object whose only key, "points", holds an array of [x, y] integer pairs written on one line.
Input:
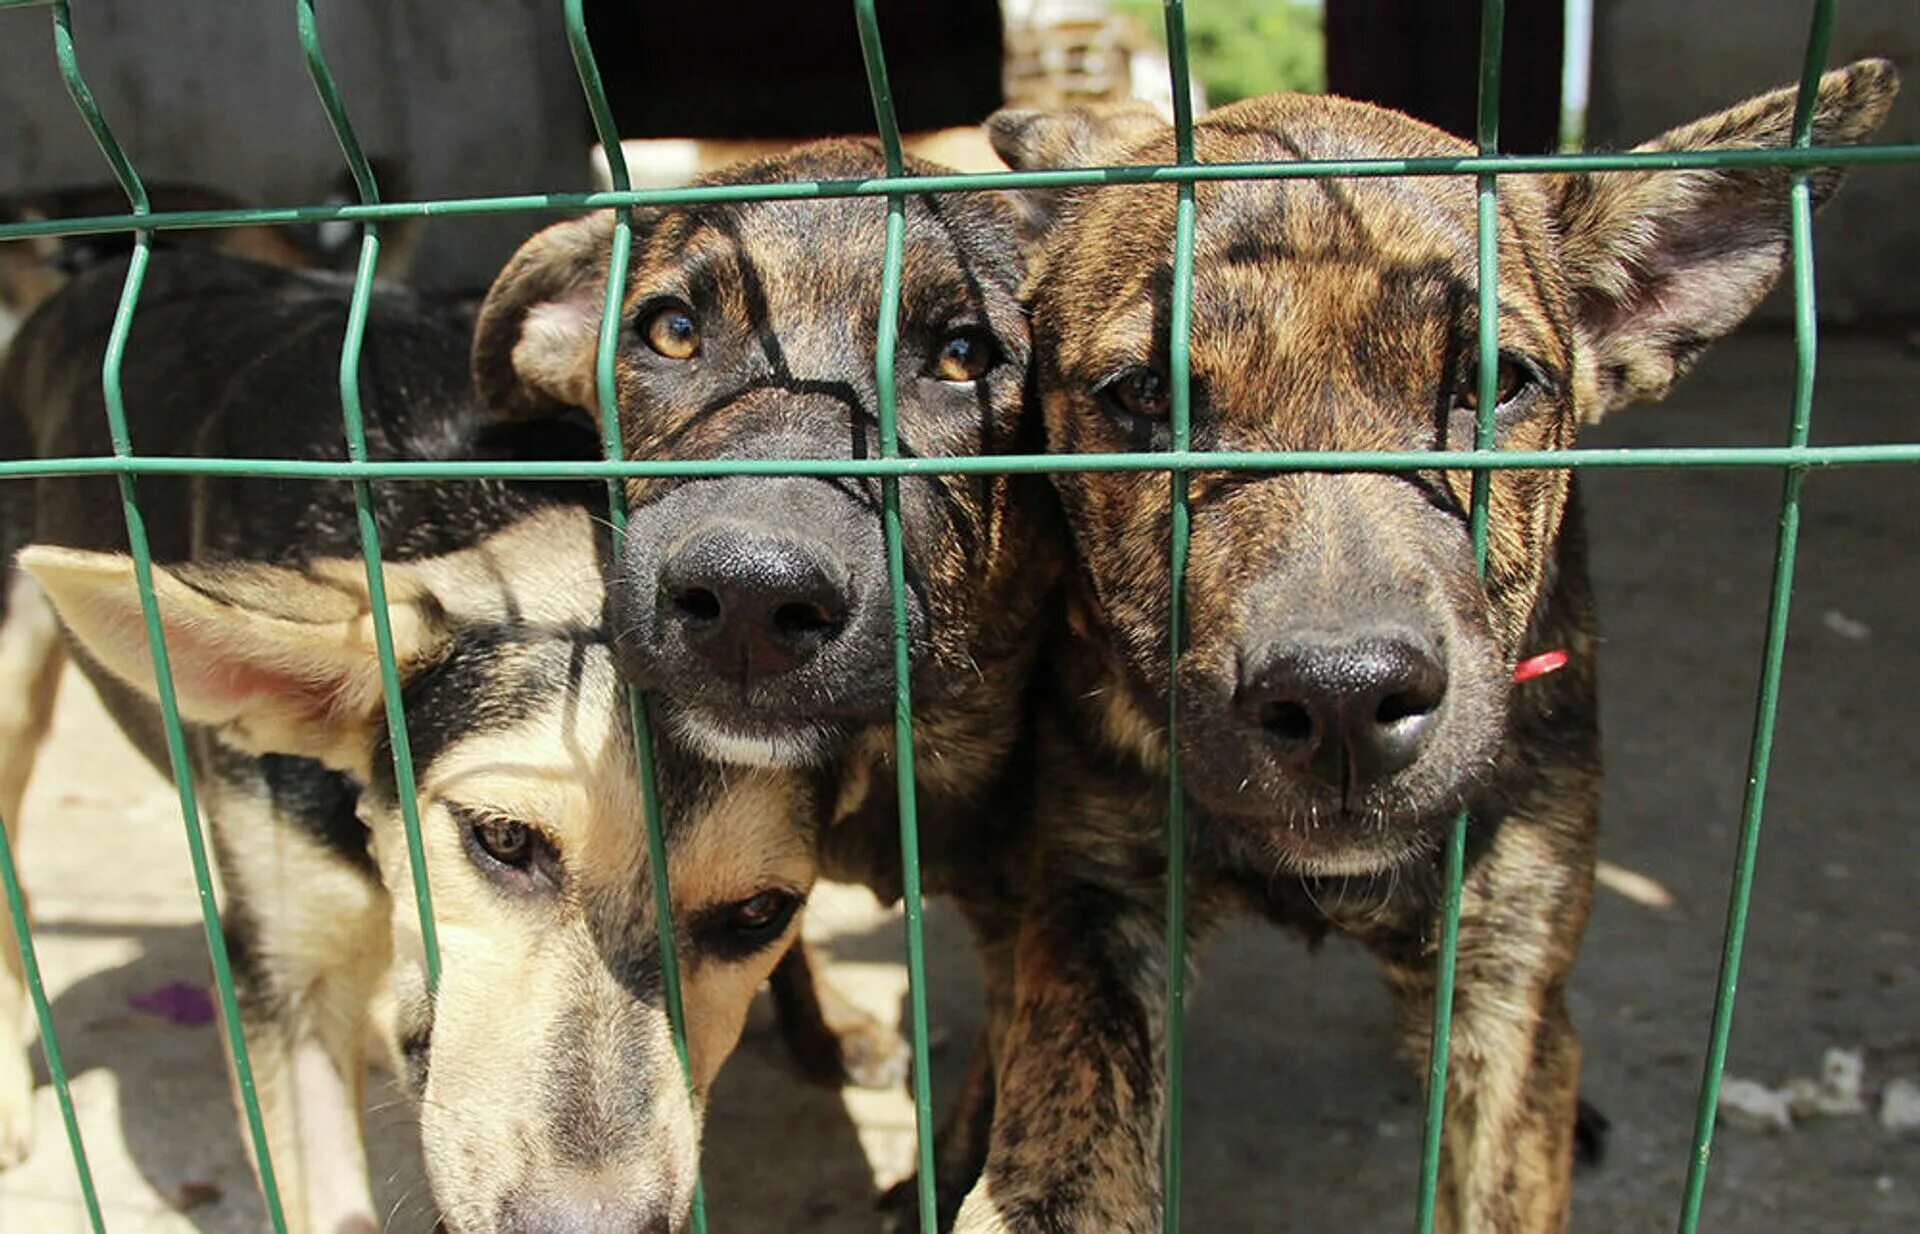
{"points": [[548, 1070]]}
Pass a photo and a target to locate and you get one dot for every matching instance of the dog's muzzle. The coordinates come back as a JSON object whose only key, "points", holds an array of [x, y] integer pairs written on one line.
{"points": [[756, 610]]}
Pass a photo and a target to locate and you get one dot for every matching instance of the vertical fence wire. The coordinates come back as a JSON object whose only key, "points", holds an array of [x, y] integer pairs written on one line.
{"points": [[1180, 424], [354, 425], [1779, 604], [1487, 244], [83, 100], [887, 411], [606, 391], [49, 1041]]}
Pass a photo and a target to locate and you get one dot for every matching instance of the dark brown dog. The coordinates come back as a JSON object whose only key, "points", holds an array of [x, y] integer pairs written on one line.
{"points": [[1344, 682], [756, 610]]}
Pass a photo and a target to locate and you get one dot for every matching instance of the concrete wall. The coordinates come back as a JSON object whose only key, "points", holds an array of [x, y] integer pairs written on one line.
{"points": [[1658, 63], [474, 97]]}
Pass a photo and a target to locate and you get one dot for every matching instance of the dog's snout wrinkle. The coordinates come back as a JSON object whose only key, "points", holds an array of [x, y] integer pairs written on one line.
{"points": [[754, 604], [570, 1212], [1349, 713]]}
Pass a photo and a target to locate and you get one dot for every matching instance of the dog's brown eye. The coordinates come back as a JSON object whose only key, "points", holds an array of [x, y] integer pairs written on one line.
{"points": [[1140, 392], [963, 357], [1508, 383], [766, 913], [509, 843], [673, 332]]}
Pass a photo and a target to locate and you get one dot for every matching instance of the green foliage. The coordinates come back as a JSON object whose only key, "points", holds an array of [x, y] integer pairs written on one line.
{"points": [[1241, 48]]}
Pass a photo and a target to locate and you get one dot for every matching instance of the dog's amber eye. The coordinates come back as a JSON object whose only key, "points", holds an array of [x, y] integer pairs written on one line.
{"points": [[766, 913], [963, 357], [672, 331], [1508, 383], [509, 843], [1139, 391]]}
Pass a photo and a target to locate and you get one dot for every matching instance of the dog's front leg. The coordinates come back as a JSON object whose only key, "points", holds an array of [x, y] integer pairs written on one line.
{"points": [[309, 939], [1079, 1094], [30, 660], [1513, 1073]]}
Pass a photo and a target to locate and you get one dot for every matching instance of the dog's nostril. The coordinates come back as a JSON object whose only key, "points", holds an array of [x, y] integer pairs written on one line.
{"points": [[697, 604], [800, 619], [1399, 706], [1287, 720]]}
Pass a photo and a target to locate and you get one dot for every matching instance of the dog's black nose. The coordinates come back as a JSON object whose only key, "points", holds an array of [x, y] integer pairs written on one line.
{"points": [[1348, 713], [754, 603]]}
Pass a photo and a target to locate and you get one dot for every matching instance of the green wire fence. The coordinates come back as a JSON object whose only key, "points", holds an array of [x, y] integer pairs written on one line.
{"points": [[1794, 460]]}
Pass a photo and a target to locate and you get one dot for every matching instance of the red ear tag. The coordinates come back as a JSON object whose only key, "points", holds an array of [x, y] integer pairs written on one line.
{"points": [[1540, 665]]}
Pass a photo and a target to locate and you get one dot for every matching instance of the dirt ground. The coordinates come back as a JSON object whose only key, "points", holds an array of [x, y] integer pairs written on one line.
{"points": [[1298, 1115]]}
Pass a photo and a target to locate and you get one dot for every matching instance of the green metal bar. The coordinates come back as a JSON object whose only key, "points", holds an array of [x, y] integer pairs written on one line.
{"points": [[356, 435], [137, 544], [49, 1040], [1180, 423], [1487, 242], [1760, 756], [976, 182], [606, 390], [885, 345], [1636, 457]]}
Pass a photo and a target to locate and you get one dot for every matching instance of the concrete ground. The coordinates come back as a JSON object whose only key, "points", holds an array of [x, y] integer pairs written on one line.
{"points": [[1298, 1116]]}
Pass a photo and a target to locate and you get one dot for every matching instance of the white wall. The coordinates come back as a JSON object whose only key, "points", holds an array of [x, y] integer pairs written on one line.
{"points": [[474, 96], [1658, 63]]}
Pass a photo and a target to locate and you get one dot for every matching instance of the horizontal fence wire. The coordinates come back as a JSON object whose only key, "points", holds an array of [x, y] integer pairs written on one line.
{"points": [[177, 757], [1779, 605], [975, 182], [887, 414], [1695, 457], [606, 347]]}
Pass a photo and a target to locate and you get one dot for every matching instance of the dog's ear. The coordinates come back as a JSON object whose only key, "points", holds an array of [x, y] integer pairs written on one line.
{"points": [[533, 345], [1661, 263], [1030, 139], [280, 661]]}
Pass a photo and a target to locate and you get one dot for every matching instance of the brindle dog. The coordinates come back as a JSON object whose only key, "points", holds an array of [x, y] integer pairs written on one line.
{"points": [[1345, 680], [757, 609]]}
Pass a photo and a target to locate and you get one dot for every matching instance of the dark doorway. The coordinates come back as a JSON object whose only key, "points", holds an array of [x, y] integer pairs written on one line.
{"points": [[792, 69], [1422, 57]]}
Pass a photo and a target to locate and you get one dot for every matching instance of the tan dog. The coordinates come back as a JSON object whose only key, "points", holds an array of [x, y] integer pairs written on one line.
{"points": [[1346, 676], [551, 1097]]}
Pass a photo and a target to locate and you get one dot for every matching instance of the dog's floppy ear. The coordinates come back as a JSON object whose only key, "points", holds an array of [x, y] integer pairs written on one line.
{"points": [[1662, 263], [533, 346], [280, 661], [1094, 135]]}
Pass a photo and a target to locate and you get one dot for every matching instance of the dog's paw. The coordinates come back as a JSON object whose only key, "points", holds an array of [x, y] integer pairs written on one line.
{"points": [[16, 1108]]}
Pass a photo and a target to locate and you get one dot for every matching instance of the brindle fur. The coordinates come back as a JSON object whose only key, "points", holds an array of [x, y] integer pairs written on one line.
{"points": [[550, 1093], [1340, 314], [787, 294]]}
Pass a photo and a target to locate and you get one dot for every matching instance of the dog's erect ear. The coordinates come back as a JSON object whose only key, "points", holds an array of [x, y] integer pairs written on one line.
{"points": [[1661, 263], [280, 661], [533, 346], [1030, 139]]}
